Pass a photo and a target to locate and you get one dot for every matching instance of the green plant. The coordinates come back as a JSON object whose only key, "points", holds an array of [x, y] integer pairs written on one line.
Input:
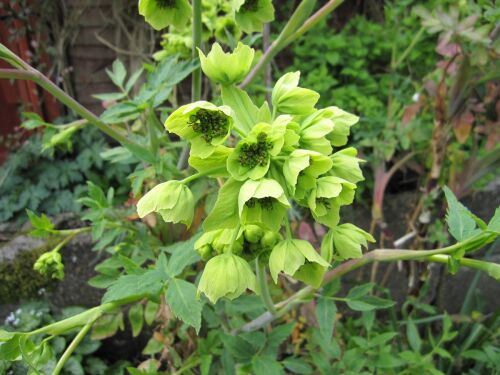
{"points": [[254, 166]]}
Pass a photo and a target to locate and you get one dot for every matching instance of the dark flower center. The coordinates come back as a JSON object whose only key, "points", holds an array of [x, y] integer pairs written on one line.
{"points": [[325, 202], [253, 154], [265, 203], [164, 4], [210, 124], [250, 6]]}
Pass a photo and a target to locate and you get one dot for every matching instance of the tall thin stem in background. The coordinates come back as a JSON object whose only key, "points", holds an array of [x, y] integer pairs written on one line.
{"points": [[196, 75]]}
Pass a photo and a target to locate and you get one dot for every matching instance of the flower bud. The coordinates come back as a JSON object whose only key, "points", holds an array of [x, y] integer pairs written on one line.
{"points": [[270, 238], [227, 68], [226, 275], [288, 98], [172, 200], [253, 233], [50, 264], [344, 242]]}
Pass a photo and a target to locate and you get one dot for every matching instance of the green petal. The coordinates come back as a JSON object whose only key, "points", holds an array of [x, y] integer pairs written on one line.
{"points": [[226, 275], [342, 121], [288, 98], [217, 159], [252, 21], [227, 68], [161, 17], [345, 165]]}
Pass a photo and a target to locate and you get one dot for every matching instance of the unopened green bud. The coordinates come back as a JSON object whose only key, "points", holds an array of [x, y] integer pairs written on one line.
{"points": [[269, 239], [253, 233], [205, 252], [50, 264]]}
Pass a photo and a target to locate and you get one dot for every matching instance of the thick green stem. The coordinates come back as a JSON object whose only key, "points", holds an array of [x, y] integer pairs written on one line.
{"points": [[205, 173], [71, 348], [34, 75], [260, 270], [381, 255]]}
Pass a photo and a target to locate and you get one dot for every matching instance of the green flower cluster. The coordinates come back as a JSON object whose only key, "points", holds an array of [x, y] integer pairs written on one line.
{"points": [[273, 156], [221, 17], [50, 264]]}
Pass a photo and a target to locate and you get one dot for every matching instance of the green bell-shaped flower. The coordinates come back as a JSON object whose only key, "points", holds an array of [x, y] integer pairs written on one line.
{"points": [[250, 15], [344, 242], [226, 275], [262, 203], [172, 200], [162, 13], [289, 255], [288, 98], [342, 121], [203, 124], [210, 165], [302, 168], [252, 155], [325, 199], [227, 68], [346, 165]]}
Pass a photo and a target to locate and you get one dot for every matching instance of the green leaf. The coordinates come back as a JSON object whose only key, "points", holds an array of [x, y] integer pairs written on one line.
{"points": [[325, 314], [277, 336], [494, 224], [297, 366], [111, 96], [136, 318], [413, 336], [32, 121], [42, 226], [118, 73], [133, 79], [106, 326], [150, 312], [10, 349], [360, 291], [265, 365], [121, 112], [134, 287], [460, 223], [239, 348], [181, 297], [368, 303], [183, 255], [224, 215]]}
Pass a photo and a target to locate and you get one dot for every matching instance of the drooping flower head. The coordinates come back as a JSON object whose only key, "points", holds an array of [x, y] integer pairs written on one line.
{"points": [[345, 165], [172, 200], [252, 155], [226, 275], [302, 168], [345, 241], [162, 13], [250, 15], [203, 124], [289, 256], [325, 200], [263, 203]]}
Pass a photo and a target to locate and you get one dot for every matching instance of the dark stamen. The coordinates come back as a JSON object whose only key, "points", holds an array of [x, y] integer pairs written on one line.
{"points": [[325, 202], [166, 3], [250, 6], [211, 124], [253, 154], [265, 203]]}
